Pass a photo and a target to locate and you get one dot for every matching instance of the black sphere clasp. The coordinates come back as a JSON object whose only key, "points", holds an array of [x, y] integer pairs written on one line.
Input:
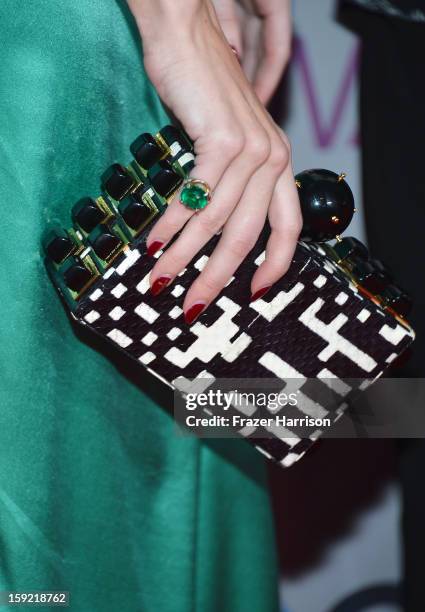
{"points": [[327, 204]]}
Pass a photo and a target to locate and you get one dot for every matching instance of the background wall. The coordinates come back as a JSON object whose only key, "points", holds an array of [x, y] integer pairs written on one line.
{"points": [[338, 515], [321, 115]]}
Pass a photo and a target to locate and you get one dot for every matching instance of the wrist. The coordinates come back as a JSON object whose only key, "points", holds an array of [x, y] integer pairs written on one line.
{"points": [[158, 19]]}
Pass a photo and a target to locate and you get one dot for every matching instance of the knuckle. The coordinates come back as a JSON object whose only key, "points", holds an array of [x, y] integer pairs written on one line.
{"points": [[207, 283], [173, 261], [286, 142], [279, 157], [278, 263], [283, 138], [258, 148], [170, 227], [240, 246], [230, 142], [210, 221], [294, 227], [172, 220]]}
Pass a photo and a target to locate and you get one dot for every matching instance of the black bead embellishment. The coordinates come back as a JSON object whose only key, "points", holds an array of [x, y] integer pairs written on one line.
{"points": [[186, 164], [87, 214], [397, 299], [166, 180], [135, 211], [104, 243], [77, 276], [368, 276], [58, 245], [146, 151], [384, 271], [350, 247], [171, 134], [117, 181], [327, 204]]}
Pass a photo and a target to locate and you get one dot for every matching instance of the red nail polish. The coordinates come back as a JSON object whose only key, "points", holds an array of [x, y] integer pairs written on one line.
{"points": [[154, 247], [259, 294], [193, 312], [159, 284]]}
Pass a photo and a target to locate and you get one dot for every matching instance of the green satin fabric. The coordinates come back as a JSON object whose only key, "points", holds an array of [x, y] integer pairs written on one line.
{"points": [[97, 495]]}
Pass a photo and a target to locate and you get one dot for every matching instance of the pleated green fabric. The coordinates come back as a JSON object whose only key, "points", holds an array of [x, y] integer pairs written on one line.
{"points": [[98, 496]]}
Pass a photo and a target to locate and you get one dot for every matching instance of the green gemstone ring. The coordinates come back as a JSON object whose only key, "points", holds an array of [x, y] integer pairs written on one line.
{"points": [[195, 194]]}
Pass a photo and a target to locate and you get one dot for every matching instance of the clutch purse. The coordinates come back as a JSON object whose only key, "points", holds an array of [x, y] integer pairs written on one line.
{"points": [[336, 315]]}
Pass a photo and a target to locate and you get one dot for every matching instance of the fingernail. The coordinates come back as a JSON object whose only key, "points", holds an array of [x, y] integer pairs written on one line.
{"points": [[159, 284], [259, 294], [194, 311], [154, 247]]}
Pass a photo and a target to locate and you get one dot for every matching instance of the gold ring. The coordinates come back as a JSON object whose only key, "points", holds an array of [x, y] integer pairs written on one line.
{"points": [[196, 194]]}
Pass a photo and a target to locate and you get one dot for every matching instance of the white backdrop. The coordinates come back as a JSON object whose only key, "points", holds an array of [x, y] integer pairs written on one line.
{"points": [[322, 125]]}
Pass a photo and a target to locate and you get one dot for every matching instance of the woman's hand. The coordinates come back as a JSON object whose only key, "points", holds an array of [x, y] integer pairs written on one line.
{"points": [[261, 32], [240, 152]]}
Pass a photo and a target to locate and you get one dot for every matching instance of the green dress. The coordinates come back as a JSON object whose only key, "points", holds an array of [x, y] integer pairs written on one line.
{"points": [[98, 496]]}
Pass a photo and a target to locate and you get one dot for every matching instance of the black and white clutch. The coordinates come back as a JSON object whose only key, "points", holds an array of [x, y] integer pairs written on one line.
{"points": [[336, 315]]}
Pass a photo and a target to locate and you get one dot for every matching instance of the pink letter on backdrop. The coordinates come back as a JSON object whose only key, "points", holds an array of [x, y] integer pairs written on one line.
{"points": [[325, 134]]}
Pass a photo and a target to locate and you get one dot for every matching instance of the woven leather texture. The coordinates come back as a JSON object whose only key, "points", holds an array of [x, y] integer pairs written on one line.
{"points": [[313, 323]]}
